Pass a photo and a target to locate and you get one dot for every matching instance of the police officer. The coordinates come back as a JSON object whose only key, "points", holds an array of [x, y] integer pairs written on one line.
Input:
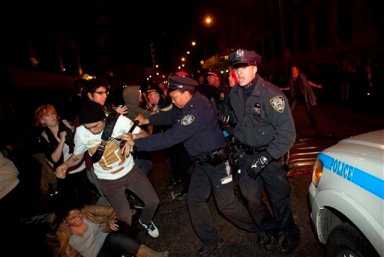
{"points": [[264, 127], [195, 125], [179, 162]]}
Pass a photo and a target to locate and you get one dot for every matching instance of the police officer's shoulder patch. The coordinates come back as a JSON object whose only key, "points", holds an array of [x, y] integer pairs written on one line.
{"points": [[278, 103], [187, 119]]}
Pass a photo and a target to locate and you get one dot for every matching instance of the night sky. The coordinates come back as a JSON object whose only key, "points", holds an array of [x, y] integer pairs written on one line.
{"points": [[122, 34]]}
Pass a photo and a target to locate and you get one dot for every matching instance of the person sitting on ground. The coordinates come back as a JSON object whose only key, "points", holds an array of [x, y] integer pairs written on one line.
{"points": [[93, 231]]}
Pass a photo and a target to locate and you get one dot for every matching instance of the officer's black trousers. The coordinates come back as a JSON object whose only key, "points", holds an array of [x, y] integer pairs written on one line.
{"points": [[206, 178], [273, 179]]}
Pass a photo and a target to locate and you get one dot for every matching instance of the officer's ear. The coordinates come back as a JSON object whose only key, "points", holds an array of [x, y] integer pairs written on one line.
{"points": [[255, 69]]}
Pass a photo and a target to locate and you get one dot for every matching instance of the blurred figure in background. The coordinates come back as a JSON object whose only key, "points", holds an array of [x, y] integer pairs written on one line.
{"points": [[232, 79], [76, 98], [132, 95], [346, 76], [10, 192], [300, 90]]}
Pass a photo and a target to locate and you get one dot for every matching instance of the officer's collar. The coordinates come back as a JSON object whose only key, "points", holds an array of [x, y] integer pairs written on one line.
{"points": [[192, 101], [247, 89]]}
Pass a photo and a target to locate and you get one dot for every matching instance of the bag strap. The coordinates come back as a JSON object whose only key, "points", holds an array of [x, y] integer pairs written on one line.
{"points": [[135, 124], [109, 125], [107, 132], [66, 123]]}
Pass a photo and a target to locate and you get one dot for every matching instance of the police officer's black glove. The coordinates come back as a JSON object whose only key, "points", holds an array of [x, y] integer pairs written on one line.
{"points": [[258, 162]]}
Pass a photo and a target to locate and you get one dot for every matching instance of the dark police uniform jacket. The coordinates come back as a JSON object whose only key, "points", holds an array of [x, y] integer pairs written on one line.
{"points": [[195, 125], [265, 120]]}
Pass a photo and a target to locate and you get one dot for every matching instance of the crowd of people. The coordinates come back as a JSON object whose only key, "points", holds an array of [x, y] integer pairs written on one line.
{"points": [[101, 158]]}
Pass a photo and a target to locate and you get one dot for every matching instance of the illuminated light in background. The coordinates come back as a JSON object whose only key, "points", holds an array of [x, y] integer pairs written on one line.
{"points": [[208, 20]]}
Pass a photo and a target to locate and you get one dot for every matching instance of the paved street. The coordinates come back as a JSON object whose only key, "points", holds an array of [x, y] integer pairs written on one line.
{"points": [[178, 237], [176, 232]]}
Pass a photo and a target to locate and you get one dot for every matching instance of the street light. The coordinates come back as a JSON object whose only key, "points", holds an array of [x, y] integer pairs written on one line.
{"points": [[208, 20], [220, 34]]}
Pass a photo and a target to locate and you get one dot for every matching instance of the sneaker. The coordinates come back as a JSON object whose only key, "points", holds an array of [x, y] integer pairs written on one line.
{"points": [[172, 183], [174, 195], [181, 197], [151, 229], [208, 249]]}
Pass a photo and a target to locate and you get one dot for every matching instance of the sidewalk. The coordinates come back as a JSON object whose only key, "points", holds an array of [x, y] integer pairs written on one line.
{"points": [[336, 121]]}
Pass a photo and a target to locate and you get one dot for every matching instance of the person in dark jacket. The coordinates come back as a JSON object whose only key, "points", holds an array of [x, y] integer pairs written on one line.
{"points": [[300, 90], [264, 129]]}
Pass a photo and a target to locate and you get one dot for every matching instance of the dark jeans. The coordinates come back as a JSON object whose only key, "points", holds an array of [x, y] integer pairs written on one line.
{"points": [[119, 242]]}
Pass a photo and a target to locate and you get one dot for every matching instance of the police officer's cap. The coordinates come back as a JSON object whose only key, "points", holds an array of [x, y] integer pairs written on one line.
{"points": [[213, 71], [181, 83], [153, 88], [244, 57]]}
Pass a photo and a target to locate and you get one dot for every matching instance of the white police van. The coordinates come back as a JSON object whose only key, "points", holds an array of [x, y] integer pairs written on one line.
{"points": [[347, 196]]}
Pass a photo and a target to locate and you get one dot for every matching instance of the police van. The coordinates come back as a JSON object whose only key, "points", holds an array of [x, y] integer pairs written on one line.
{"points": [[347, 196]]}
